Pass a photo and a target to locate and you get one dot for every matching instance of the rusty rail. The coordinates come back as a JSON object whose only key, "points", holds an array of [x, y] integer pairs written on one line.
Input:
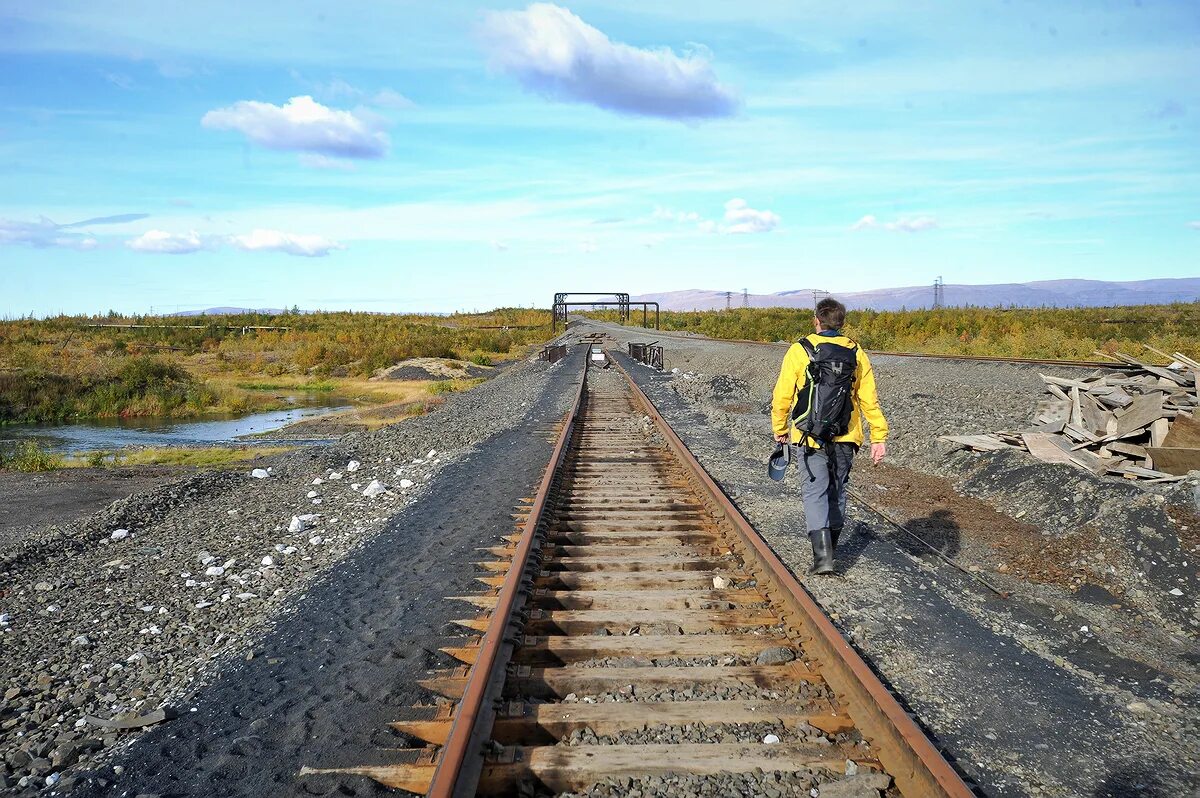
{"points": [[461, 761]]}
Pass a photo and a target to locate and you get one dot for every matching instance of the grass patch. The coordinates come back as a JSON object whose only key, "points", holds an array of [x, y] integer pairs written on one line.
{"points": [[197, 457], [28, 456], [453, 386], [313, 386]]}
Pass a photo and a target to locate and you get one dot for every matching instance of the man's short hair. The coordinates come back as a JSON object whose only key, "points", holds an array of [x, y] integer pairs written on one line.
{"points": [[831, 313]]}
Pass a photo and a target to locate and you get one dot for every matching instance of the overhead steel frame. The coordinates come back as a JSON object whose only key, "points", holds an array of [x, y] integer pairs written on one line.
{"points": [[560, 303], [624, 305]]}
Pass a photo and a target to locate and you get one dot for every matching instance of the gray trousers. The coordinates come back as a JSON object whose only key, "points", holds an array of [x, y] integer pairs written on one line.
{"points": [[825, 494]]}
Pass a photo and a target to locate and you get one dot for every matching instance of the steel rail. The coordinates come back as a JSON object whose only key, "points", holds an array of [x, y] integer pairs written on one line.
{"points": [[461, 760], [905, 751]]}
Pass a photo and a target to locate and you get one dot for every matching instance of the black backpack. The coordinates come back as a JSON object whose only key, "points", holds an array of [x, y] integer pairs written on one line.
{"points": [[824, 404]]}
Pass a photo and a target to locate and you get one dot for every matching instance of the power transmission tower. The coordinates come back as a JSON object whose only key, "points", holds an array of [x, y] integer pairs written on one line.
{"points": [[939, 293], [728, 299], [745, 297], [818, 295]]}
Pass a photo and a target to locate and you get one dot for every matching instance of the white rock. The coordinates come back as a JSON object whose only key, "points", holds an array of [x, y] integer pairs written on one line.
{"points": [[312, 494], [203, 605], [720, 582], [79, 724], [353, 465], [259, 473], [5, 619], [205, 559], [1175, 591], [407, 483], [268, 561], [316, 501], [296, 525], [80, 640], [190, 583], [335, 475], [119, 534], [771, 739], [316, 540], [355, 485], [290, 550], [374, 489], [1083, 629], [215, 570], [246, 596], [432, 452], [318, 481]]}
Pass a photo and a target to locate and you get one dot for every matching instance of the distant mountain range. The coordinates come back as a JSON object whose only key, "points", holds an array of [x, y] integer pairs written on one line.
{"points": [[228, 311], [1044, 293]]}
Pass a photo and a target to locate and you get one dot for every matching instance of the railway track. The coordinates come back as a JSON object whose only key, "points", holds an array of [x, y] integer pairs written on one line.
{"points": [[637, 632]]}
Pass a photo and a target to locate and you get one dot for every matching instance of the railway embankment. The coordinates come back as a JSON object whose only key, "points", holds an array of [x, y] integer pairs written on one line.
{"points": [[1077, 684]]}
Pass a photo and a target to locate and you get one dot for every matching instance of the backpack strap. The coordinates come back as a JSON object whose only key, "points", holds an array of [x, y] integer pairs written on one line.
{"points": [[808, 348]]}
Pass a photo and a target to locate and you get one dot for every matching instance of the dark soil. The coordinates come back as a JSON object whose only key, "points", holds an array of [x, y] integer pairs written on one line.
{"points": [[33, 502]]}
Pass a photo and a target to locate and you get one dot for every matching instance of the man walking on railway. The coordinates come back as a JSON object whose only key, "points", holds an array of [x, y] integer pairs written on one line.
{"points": [[825, 391]]}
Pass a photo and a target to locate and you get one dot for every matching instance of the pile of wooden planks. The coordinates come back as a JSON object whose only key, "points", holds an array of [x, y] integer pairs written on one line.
{"points": [[1140, 423]]}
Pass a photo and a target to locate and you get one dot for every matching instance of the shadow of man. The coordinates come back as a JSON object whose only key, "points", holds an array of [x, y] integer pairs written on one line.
{"points": [[1131, 781], [938, 529]]}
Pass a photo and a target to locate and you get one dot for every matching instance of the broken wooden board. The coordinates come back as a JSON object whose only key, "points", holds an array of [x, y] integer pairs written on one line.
{"points": [[1047, 447], [985, 443], [1175, 461], [1184, 433], [1145, 410]]}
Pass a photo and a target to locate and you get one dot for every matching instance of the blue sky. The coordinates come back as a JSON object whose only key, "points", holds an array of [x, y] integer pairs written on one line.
{"points": [[438, 156]]}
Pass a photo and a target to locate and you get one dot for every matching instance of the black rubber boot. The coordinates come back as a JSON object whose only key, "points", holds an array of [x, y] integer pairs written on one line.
{"points": [[822, 546], [834, 534]]}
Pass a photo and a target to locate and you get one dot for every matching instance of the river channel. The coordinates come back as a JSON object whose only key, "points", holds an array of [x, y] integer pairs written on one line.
{"points": [[111, 434]]}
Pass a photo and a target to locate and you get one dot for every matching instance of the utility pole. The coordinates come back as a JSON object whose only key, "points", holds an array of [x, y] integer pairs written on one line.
{"points": [[745, 297], [939, 293], [728, 299]]}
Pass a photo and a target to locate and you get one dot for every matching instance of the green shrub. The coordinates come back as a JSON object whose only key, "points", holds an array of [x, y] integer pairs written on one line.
{"points": [[29, 456]]}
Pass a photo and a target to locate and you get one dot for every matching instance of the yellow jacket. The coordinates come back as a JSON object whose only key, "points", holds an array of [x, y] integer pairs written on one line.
{"points": [[793, 375]]}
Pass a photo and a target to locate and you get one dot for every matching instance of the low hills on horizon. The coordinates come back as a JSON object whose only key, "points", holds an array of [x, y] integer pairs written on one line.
{"points": [[1042, 293]]}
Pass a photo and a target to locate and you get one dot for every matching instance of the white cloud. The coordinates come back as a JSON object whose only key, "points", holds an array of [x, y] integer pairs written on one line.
{"points": [[392, 100], [303, 124], [308, 246], [555, 53], [314, 161], [45, 233], [669, 215], [164, 243], [915, 224], [499, 245], [741, 218], [1194, 225]]}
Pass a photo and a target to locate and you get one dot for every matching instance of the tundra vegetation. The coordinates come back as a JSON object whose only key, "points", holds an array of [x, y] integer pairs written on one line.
{"points": [[1048, 333], [66, 367]]}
